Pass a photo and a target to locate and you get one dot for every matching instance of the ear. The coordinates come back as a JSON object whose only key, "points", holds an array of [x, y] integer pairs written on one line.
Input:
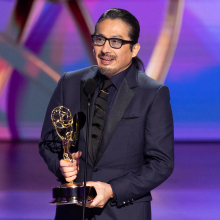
{"points": [[135, 49]]}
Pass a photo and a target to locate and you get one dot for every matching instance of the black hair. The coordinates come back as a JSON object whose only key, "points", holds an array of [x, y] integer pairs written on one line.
{"points": [[129, 19]]}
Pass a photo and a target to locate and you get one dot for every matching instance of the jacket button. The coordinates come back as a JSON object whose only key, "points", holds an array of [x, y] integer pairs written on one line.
{"points": [[95, 169]]}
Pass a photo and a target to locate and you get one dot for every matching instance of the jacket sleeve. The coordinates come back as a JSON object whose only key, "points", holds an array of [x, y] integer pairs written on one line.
{"points": [[50, 145], [158, 153]]}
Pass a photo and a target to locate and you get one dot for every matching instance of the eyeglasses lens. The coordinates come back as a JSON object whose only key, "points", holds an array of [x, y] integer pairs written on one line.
{"points": [[114, 42], [98, 40]]}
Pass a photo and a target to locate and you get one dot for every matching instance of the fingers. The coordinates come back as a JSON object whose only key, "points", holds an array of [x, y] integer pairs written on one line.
{"points": [[69, 170], [69, 174], [87, 204], [97, 202], [104, 192], [71, 179], [64, 163]]}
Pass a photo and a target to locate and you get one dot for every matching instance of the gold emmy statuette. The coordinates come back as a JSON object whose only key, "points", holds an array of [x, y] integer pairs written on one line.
{"points": [[68, 193]]}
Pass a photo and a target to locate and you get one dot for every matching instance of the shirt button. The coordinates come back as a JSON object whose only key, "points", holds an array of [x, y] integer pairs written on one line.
{"points": [[95, 169]]}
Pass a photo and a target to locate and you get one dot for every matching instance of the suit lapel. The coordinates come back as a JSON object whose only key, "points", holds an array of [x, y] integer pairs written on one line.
{"points": [[122, 100]]}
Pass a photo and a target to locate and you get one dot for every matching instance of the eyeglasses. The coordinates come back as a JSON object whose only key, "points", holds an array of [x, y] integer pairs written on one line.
{"points": [[116, 43]]}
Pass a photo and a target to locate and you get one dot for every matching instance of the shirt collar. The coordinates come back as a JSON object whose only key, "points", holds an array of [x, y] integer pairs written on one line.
{"points": [[116, 79]]}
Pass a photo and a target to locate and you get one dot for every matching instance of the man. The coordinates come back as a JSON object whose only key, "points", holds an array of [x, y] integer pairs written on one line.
{"points": [[132, 152]]}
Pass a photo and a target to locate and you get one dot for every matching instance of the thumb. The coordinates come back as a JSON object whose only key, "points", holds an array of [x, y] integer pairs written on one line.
{"points": [[76, 155], [89, 183]]}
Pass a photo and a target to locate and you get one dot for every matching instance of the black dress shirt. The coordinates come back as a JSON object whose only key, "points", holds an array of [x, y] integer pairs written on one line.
{"points": [[113, 90]]}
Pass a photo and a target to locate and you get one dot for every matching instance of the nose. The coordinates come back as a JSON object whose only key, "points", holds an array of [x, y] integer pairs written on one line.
{"points": [[106, 47]]}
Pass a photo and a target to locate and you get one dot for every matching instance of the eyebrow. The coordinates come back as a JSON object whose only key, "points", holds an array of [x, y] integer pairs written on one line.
{"points": [[112, 36], [117, 36]]}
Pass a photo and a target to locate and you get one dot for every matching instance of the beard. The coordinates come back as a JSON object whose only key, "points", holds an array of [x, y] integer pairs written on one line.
{"points": [[106, 71]]}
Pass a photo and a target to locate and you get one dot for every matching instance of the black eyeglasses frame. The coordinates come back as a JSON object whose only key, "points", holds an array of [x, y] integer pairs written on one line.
{"points": [[123, 41]]}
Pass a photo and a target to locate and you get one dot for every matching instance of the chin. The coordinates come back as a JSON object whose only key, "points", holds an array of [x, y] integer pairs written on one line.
{"points": [[106, 71]]}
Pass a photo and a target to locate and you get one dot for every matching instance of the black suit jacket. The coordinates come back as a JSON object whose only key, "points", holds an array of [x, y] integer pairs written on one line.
{"points": [[136, 154]]}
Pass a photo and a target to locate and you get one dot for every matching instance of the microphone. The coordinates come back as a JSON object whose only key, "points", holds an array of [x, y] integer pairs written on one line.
{"points": [[90, 87]]}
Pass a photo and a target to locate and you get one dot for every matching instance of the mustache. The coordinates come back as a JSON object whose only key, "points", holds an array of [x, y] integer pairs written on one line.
{"points": [[100, 55]]}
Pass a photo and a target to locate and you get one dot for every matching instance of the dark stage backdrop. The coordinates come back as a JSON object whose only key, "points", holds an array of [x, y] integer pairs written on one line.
{"points": [[53, 42]]}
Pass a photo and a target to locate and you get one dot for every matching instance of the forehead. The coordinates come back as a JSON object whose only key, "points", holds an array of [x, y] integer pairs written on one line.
{"points": [[113, 28]]}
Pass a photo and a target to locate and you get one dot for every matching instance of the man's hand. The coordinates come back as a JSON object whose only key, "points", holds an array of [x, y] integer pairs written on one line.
{"points": [[104, 193], [70, 170]]}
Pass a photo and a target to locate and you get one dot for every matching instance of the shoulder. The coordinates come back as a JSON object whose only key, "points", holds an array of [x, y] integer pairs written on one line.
{"points": [[149, 86], [147, 82], [80, 74]]}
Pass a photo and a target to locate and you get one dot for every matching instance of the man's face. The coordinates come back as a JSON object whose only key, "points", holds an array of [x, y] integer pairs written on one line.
{"points": [[110, 60]]}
